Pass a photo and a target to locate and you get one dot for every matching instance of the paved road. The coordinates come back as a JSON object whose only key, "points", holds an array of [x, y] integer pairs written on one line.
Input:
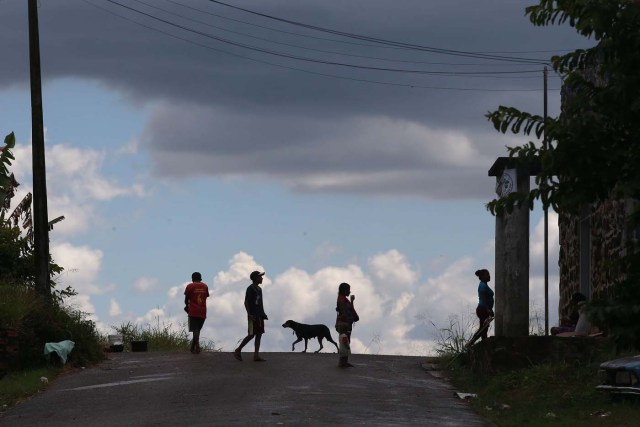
{"points": [[173, 389]]}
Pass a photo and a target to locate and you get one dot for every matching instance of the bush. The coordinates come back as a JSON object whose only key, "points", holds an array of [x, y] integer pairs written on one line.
{"points": [[53, 323], [15, 303], [619, 314], [21, 308]]}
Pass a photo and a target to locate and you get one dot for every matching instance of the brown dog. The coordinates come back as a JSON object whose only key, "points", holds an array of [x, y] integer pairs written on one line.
{"points": [[306, 332]]}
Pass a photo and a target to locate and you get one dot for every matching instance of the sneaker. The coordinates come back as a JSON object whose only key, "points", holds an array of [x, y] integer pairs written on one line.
{"points": [[259, 359], [237, 355]]}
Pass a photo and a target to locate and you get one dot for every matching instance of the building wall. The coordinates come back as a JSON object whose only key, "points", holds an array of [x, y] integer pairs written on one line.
{"points": [[568, 260], [610, 235]]}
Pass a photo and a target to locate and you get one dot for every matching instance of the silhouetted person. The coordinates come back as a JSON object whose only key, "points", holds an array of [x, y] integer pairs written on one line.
{"points": [[344, 323], [568, 324], [195, 304], [484, 310], [256, 316]]}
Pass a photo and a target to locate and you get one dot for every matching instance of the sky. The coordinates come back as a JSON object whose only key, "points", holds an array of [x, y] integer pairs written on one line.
{"points": [[321, 142]]}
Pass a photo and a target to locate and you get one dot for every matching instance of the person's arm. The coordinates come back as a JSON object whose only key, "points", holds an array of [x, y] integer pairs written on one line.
{"points": [[354, 313], [248, 305], [490, 298], [186, 301]]}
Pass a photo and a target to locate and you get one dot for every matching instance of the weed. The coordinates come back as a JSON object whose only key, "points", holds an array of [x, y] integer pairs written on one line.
{"points": [[18, 386], [160, 337], [451, 340], [15, 304], [556, 394]]}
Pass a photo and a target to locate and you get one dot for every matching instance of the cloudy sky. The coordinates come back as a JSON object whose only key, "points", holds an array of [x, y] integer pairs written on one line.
{"points": [[320, 142]]}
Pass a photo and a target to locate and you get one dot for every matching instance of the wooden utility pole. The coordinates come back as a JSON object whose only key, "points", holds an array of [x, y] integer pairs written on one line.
{"points": [[546, 221], [40, 214]]}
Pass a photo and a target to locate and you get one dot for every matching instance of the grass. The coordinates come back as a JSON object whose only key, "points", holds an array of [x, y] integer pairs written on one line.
{"points": [[165, 337], [18, 386], [552, 394], [557, 394]]}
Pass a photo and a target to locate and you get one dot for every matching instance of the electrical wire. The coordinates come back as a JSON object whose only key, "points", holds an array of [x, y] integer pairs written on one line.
{"points": [[389, 42], [485, 74], [347, 41], [355, 79], [309, 48]]}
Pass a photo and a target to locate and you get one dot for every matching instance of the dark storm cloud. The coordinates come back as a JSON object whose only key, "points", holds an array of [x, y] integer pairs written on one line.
{"points": [[301, 126], [80, 40]]}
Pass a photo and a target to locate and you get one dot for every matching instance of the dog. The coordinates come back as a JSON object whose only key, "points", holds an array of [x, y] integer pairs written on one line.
{"points": [[306, 332]]}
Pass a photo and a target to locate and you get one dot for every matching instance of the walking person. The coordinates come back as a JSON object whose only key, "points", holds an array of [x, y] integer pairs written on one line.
{"points": [[256, 316], [345, 319], [195, 304], [484, 310]]}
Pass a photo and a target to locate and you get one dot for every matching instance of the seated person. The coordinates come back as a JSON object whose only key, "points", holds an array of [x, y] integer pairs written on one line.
{"points": [[569, 324], [583, 326]]}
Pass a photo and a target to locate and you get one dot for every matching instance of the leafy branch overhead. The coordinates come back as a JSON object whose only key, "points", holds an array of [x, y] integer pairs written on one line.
{"points": [[592, 148], [16, 249]]}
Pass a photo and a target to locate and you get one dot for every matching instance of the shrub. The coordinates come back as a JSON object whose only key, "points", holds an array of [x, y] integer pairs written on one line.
{"points": [[53, 323], [619, 314]]}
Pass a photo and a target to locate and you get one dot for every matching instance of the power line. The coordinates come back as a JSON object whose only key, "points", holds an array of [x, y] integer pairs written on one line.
{"points": [[347, 41], [309, 48], [389, 42], [316, 73], [491, 74]]}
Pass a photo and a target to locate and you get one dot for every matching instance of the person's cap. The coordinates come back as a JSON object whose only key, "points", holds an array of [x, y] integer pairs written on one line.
{"points": [[255, 275]]}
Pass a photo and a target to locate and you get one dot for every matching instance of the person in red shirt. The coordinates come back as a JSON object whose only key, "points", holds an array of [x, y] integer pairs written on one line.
{"points": [[195, 304]]}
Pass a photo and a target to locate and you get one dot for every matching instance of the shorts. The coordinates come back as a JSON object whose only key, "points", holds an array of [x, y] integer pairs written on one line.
{"points": [[256, 327], [343, 327], [195, 323]]}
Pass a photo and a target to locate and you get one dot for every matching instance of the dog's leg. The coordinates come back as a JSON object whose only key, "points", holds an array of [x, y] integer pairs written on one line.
{"points": [[320, 342], [305, 345], [294, 343], [332, 341]]}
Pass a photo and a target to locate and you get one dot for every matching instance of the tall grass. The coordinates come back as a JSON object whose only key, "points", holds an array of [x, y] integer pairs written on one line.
{"points": [[15, 303], [18, 386], [452, 339], [161, 337]]}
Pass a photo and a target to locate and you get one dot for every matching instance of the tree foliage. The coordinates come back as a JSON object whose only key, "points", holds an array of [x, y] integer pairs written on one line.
{"points": [[17, 265], [21, 308], [592, 148], [591, 151]]}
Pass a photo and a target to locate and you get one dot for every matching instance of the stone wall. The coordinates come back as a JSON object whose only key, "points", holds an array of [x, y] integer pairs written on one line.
{"points": [[500, 354], [568, 260], [610, 236]]}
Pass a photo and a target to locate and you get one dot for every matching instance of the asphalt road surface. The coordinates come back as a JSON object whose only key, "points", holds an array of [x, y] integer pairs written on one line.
{"points": [[214, 389]]}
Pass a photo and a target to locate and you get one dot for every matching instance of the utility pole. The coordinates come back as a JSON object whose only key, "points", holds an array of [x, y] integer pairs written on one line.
{"points": [[546, 220], [40, 214]]}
